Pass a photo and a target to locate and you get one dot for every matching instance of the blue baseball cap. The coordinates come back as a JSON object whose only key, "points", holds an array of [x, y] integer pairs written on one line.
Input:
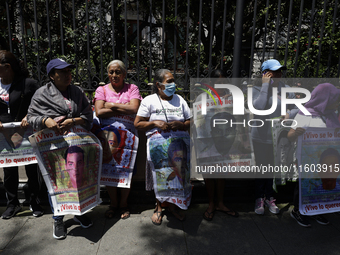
{"points": [[57, 63], [272, 65]]}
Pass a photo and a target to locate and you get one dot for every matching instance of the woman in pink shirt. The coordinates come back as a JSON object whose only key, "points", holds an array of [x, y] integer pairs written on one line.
{"points": [[112, 101]]}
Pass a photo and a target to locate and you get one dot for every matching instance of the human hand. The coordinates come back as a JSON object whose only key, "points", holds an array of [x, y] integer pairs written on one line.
{"points": [[24, 123], [1, 126], [66, 125], [266, 77], [176, 125], [161, 125], [53, 125], [299, 131]]}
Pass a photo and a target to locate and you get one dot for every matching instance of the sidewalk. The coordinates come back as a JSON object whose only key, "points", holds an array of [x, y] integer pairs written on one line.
{"points": [[248, 234]]}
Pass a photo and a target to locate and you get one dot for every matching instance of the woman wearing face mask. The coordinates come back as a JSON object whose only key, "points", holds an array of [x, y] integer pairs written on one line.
{"points": [[165, 117]]}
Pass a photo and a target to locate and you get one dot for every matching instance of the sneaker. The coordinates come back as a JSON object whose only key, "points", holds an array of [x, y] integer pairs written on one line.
{"points": [[320, 219], [83, 220], [37, 210], [259, 206], [11, 211], [59, 230], [272, 206], [300, 219]]}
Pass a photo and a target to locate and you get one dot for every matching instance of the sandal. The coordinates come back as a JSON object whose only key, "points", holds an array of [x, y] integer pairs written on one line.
{"points": [[159, 216], [124, 211], [210, 215], [229, 213], [176, 214], [110, 213]]}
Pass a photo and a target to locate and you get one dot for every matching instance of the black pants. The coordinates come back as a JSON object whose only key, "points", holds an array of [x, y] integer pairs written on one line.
{"points": [[11, 182], [263, 155]]}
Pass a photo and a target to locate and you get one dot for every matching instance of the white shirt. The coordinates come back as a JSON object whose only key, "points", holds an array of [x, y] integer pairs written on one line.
{"points": [[306, 121], [157, 109]]}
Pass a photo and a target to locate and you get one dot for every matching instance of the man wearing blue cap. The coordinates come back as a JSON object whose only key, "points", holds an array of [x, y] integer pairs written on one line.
{"points": [[59, 106], [261, 135]]}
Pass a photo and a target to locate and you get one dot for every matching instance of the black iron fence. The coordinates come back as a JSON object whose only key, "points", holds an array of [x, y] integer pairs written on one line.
{"points": [[191, 38]]}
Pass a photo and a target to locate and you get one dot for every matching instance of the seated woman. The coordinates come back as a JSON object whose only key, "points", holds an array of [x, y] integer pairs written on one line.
{"points": [[66, 103], [166, 118]]}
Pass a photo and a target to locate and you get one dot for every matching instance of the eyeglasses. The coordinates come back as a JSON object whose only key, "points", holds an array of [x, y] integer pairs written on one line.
{"points": [[118, 72]]}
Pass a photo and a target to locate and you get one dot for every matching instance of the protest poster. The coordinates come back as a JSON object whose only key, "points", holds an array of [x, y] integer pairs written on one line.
{"points": [[318, 164], [169, 156], [15, 147], [119, 140], [221, 139], [284, 153], [71, 166]]}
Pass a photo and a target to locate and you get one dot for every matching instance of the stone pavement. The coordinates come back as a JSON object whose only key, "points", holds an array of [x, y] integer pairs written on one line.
{"points": [[248, 234]]}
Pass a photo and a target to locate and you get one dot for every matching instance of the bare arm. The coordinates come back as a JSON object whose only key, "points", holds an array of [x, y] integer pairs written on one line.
{"points": [[107, 109], [143, 123]]}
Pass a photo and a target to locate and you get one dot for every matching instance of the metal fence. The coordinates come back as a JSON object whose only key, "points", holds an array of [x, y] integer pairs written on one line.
{"points": [[191, 38]]}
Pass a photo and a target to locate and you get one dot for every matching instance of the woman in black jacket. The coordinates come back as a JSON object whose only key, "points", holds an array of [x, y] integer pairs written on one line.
{"points": [[16, 91]]}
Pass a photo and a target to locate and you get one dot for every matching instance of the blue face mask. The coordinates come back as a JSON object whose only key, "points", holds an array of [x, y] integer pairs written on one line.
{"points": [[170, 89]]}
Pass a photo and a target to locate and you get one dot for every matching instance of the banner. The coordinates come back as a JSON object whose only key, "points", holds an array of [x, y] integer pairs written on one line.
{"points": [[15, 148], [120, 143], [284, 153], [71, 166], [221, 139], [169, 159], [319, 169]]}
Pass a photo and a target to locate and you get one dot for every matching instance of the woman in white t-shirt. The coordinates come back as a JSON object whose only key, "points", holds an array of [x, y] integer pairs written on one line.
{"points": [[322, 106], [165, 117]]}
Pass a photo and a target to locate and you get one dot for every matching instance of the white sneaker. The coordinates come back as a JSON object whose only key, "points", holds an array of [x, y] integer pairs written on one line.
{"points": [[272, 206], [259, 206]]}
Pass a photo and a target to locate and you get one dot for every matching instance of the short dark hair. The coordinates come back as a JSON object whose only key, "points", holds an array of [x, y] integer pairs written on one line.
{"points": [[114, 130], [73, 149], [176, 145]]}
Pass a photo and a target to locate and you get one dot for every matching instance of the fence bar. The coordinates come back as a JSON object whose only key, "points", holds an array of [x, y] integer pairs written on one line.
{"points": [[223, 33], [199, 40], [175, 40], [238, 39], [331, 38], [48, 30], [211, 35], [36, 37], [23, 34], [298, 41], [113, 29], [163, 33], [101, 40], [88, 42], [138, 64], [187, 48], [125, 33], [253, 40], [61, 29], [265, 31], [321, 36], [75, 41], [277, 26], [150, 44], [9, 27], [288, 30], [306, 71]]}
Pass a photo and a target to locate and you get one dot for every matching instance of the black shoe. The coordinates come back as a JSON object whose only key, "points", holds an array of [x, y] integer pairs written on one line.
{"points": [[37, 210], [300, 219], [59, 230], [84, 221], [320, 219], [11, 211]]}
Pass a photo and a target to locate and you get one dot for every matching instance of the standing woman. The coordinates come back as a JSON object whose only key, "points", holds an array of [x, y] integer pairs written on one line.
{"points": [[116, 98], [16, 91], [59, 106], [166, 118]]}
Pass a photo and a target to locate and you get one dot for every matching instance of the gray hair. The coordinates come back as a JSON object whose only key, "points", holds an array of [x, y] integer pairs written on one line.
{"points": [[159, 77], [120, 63]]}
